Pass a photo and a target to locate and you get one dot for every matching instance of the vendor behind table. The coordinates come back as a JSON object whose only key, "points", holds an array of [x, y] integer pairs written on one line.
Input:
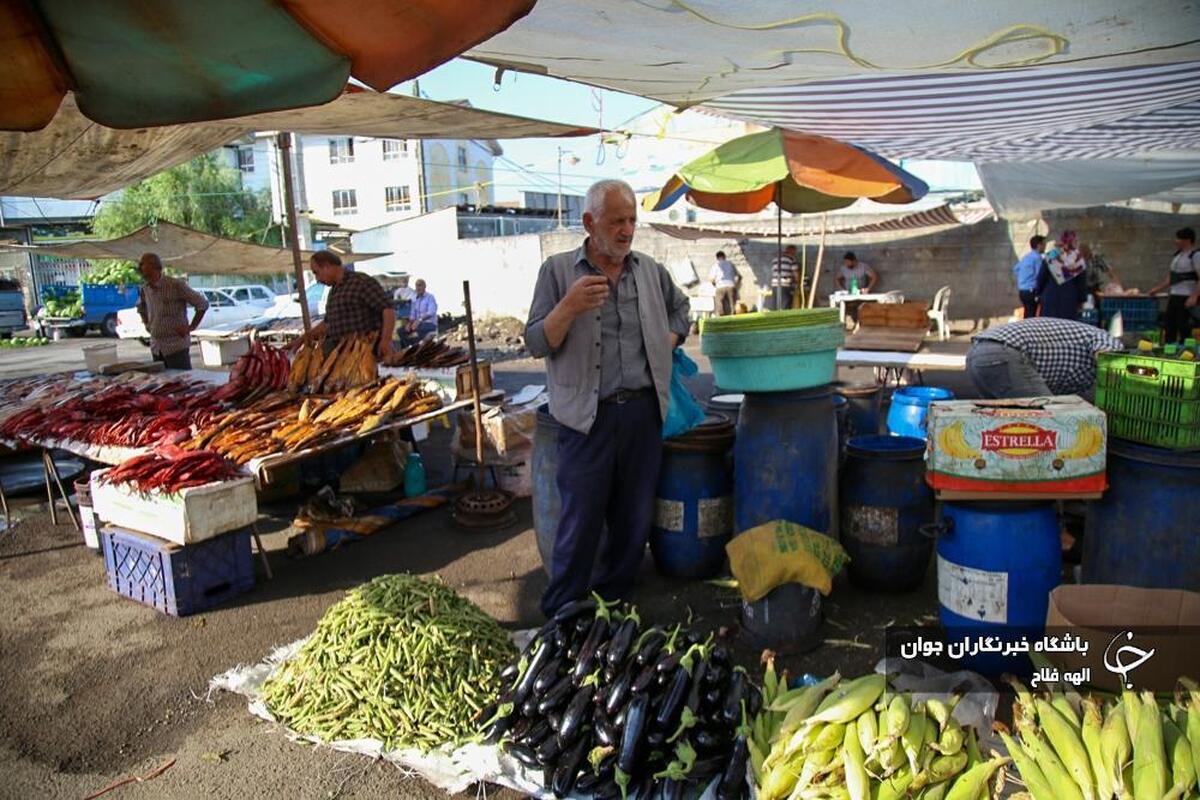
{"points": [[356, 304], [1184, 291]]}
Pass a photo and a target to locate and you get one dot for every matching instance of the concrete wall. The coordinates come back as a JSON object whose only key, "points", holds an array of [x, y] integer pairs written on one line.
{"points": [[975, 260]]}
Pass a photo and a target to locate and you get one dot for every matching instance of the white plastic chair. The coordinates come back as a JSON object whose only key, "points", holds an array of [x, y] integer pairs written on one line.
{"points": [[937, 312]]}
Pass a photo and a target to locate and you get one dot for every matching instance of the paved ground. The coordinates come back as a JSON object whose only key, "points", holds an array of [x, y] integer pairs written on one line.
{"points": [[94, 687]]}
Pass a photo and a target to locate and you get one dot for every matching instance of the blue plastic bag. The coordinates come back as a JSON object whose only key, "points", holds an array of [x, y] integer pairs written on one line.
{"points": [[683, 412]]}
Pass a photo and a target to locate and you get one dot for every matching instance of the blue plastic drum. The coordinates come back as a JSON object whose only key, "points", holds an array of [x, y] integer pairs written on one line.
{"points": [[910, 407]]}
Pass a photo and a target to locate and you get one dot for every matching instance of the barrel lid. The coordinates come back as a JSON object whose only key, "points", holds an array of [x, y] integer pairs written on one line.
{"points": [[857, 389], [727, 399], [715, 433], [886, 447], [1186, 459]]}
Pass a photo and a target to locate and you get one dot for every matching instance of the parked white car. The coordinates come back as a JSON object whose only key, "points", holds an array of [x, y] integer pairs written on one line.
{"points": [[224, 314], [287, 306], [255, 294]]}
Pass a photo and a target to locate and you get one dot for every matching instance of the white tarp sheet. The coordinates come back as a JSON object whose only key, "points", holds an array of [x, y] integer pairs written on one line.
{"points": [[74, 157], [454, 771], [688, 51], [1019, 190]]}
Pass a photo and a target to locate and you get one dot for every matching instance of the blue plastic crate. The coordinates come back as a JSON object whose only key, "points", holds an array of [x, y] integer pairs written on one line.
{"points": [[178, 580], [1090, 315]]}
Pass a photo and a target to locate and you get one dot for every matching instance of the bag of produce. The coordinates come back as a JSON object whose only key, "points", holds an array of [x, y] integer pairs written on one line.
{"points": [[780, 552]]}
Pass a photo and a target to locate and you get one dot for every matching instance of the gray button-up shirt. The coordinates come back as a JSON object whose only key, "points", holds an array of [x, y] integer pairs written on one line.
{"points": [[614, 347]]}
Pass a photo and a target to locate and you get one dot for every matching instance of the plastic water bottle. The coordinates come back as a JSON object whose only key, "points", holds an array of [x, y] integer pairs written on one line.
{"points": [[1171, 351], [1145, 348], [414, 476], [854, 286]]}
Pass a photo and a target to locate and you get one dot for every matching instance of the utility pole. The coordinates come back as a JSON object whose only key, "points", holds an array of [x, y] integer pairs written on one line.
{"points": [[560, 154]]}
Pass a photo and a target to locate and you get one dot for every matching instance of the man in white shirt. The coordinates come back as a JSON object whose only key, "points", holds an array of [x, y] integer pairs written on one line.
{"points": [[724, 278]]}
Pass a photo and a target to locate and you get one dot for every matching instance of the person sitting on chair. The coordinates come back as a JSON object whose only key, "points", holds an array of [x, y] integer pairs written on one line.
{"points": [[423, 314]]}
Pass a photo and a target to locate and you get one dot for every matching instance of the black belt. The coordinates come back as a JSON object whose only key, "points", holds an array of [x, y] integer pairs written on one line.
{"points": [[625, 395], [1183, 277]]}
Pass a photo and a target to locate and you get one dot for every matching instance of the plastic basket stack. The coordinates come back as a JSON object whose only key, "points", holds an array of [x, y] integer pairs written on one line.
{"points": [[774, 351], [1150, 400]]}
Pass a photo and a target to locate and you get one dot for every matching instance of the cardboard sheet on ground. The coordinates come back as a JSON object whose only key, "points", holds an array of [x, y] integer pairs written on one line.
{"points": [[452, 770]]}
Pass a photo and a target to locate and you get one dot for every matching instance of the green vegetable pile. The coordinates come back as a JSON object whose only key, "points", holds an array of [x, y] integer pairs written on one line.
{"points": [[24, 341], [113, 273], [402, 659], [67, 305]]}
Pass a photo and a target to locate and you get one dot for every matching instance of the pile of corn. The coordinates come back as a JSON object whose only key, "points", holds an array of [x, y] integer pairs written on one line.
{"points": [[858, 740], [401, 659], [1079, 748]]}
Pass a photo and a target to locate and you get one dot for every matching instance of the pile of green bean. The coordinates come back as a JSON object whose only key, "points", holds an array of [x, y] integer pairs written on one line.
{"points": [[402, 659]]}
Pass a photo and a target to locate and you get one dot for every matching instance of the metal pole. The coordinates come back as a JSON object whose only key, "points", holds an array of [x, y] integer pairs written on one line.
{"points": [[778, 247], [284, 141], [560, 187], [479, 468]]}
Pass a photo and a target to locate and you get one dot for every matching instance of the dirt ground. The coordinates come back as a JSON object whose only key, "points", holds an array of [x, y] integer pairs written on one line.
{"points": [[94, 687]]}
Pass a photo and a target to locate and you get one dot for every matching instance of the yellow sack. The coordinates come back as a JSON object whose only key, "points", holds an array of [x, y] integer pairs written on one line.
{"points": [[782, 552]]}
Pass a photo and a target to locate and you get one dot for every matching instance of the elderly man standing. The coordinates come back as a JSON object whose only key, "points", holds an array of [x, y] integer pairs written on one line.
{"points": [[162, 305], [606, 319], [356, 304]]}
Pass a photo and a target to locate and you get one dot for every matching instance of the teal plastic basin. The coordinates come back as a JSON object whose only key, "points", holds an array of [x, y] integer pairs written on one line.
{"points": [[780, 373]]}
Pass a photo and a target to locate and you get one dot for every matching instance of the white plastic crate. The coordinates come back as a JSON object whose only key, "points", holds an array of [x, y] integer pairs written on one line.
{"points": [[190, 516], [219, 352]]}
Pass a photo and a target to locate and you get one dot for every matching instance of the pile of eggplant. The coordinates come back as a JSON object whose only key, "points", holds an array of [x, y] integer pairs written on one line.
{"points": [[608, 709]]}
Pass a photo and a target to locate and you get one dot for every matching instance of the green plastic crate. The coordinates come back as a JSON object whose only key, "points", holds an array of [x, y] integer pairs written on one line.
{"points": [[1151, 432], [1167, 410], [1166, 378]]}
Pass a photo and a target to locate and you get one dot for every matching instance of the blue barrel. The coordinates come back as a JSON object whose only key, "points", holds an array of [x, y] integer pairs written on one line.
{"points": [[884, 504], [910, 406], [785, 467], [547, 504], [1141, 533], [693, 504], [996, 566], [865, 400]]}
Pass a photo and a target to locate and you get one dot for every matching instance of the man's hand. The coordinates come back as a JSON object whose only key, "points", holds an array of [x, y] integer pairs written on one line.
{"points": [[384, 349], [1192, 301], [675, 339], [184, 330], [585, 294]]}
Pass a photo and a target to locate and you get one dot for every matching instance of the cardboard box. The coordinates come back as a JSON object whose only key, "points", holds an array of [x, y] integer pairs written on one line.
{"points": [[1045, 447], [505, 428], [1165, 621]]}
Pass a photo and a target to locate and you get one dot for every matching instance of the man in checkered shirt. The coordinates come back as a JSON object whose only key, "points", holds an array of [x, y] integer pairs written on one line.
{"points": [[1037, 357], [356, 304]]}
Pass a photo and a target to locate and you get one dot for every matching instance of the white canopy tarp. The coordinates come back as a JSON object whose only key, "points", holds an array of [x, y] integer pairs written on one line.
{"points": [[74, 157], [1023, 189], [689, 51], [186, 250]]}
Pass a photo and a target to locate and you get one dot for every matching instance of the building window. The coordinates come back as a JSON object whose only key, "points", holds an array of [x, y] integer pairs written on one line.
{"points": [[397, 198], [345, 201], [245, 158], [341, 151], [394, 148], [462, 156]]}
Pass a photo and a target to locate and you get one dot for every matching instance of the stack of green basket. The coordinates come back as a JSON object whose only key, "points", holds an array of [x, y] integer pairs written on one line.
{"points": [[773, 351]]}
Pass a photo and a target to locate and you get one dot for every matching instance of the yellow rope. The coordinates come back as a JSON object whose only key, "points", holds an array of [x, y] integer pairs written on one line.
{"points": [[1013, 34]]}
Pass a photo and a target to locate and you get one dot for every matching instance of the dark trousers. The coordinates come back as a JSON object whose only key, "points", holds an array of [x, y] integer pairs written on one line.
{"points": [[786, 296], [1179, 319], [181, 359], [1029, 303], [608, 475]]}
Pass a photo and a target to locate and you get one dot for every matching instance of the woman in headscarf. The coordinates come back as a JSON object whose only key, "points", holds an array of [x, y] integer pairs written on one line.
{"points": [[1062, 280]]}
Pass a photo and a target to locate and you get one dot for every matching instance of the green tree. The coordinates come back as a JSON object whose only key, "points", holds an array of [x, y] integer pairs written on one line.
{"points": [[201, 194]]}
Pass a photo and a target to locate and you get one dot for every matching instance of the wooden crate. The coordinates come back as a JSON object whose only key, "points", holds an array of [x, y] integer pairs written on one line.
{"points": [[463, 383], [894, 315]]}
